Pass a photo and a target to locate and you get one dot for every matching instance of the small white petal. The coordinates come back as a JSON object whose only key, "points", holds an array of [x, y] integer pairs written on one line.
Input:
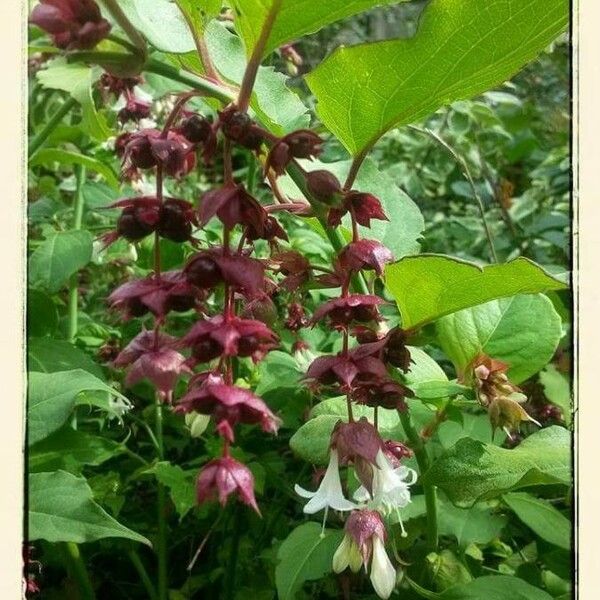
{"points": [[302, 492], [341, 558], [383, 574]]}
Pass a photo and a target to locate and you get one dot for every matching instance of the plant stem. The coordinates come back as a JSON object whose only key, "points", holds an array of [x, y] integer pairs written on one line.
{"points": [[161, 548], [355, 167], [39, 139], [125, 24], [429, 490], [198, 83], [139, 567], [73, 283], [78, 571], [257, 56], [233, 556]]}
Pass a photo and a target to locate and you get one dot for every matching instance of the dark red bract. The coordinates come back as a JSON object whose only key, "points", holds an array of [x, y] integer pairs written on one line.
{"points": [[228, 403], [340, 312], [365, 254], [298, 144], [72, 24], [364, 206], [225, 476], [219, 336]]}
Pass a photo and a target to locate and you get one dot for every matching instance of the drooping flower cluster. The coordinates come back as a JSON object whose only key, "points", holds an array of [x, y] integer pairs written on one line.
{"points": [[498, 395]]}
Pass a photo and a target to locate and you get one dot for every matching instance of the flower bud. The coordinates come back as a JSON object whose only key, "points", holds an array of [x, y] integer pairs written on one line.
{"points": [[324, 187]]}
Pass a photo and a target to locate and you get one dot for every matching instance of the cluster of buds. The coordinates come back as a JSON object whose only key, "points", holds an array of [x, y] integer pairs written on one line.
{"points": [[72, 24], [498, 395], [131, 105]]}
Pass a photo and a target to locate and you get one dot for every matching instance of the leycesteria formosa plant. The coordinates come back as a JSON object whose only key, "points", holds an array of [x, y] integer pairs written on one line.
{"points": [[232, 284]]}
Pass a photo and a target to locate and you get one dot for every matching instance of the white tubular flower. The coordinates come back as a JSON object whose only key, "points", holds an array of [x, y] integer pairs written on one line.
{"points": [[390, 486], [329, 494], [363, 544], [383, 574]]}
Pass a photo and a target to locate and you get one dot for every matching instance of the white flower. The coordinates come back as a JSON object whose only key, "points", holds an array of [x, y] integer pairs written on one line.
{"points": [[390, 486], [347, 555], [383, 574], [329, 494]]}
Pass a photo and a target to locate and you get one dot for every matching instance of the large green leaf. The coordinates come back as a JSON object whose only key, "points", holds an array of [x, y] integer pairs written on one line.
{"points": [[540, 516], [47, 355], [476, 525], [70, 449], [61, 509], [58, 257], [522, 331], [52, 397], [490, 587], [180, 483], [472, 470], [304, 555], [42, 314], [295, 18], [77, 79], [461, 48], [398, 207], [476, 427], [431, 286]]}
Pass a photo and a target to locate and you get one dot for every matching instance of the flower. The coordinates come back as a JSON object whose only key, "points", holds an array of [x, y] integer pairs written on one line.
{"points": [[199, 130], [294, 266], [365, 254], [72, 24], [346, 370], [144, 215], [211, 267], [152, 357], [364, 206], [363, 542], [506, 413], [233, 336], [329, 493], [135, 109], [241, 129], [324, 187], [148, 148], [234, 206], [303, 143], [391, 348], [390, 488], [358, 442], [342, 311], [385, 393], [158, 295], [229, 405], [225, 476]]}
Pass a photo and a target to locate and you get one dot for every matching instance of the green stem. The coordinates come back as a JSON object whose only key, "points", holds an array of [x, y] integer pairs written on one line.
{"points": [[429, 490], [78, 571], [125, 24], [139, 567], [197, 83], [233, 556], [161, 548], [77, 221], [39, 139]]}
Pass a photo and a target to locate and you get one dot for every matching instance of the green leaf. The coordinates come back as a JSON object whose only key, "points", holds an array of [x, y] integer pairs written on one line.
{"points": [[181, 485], [47, 156], [431, 286], [397, 205], [476, 525], [461, 49], [77, 79], [295, 18], [305, 555], [278, 370], [473, 471], [42, 314], [423, 368], [476, 427], [447, 569], [61, 509], [70, 449], [558, 390], [434, 389], [502, 329], [52, 397], [540, 516], [47, 355], [491, 587], [61, 255]]}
